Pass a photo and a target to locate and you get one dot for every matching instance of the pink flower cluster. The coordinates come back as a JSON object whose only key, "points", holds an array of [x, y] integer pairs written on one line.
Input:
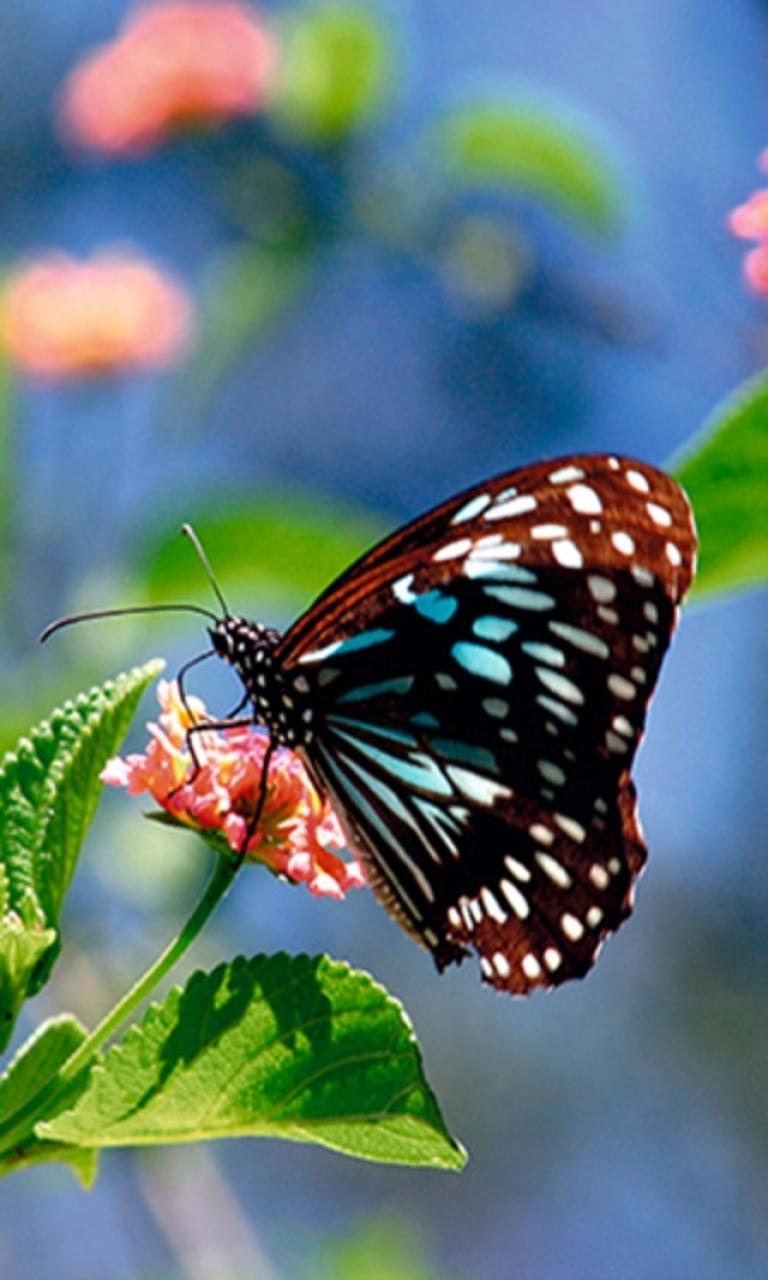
{"points": [[297, 831], [64, 318], [750, 222], [172, 65]]}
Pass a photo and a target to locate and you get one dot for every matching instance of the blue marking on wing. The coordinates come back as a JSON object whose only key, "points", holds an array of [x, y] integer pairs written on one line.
{"points": [[364, 640], [415, 771], [365, 692], [490, 627], [442, 823], [465, 753], [436, 606], [344, 784], [426, 720], [392, 735], [479, 661]]}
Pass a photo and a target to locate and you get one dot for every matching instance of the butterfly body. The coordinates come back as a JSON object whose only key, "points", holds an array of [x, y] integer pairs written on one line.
{"points": [[471, 694]]}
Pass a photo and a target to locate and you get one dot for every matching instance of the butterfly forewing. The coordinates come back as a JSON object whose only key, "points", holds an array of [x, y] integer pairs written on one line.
{"points": [[478, 686]]}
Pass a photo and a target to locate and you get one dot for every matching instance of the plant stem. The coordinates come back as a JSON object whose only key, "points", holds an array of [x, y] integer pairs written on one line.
{"points": [[20, 1125], [225, 872]]}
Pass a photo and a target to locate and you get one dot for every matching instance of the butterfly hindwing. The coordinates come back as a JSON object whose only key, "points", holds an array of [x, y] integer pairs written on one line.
{"points": [[478, 685]]}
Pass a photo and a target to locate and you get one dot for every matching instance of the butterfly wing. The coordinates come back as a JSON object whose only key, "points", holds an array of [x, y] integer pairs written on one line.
{"points": [[479, 684]]}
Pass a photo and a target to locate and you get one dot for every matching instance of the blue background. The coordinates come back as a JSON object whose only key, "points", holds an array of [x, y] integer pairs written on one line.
{"points": [[616, 1127]]}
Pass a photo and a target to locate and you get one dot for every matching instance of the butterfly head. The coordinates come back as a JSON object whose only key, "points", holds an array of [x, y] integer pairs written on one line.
{"points": [[246, 646], [249, 648]]}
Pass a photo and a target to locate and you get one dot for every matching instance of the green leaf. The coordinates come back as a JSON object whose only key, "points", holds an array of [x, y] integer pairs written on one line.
{"points": [[288, 1047], [336, 72], [35, 1065], [291, 545], [24, 941], [515, 141], [725, 474], [49, 788]]}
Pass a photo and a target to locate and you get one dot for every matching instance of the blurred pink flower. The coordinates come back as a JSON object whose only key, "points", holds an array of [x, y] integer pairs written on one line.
{"points": [[172, 65], [60, 318], [749, 221], [756, 268], [297, 831]]}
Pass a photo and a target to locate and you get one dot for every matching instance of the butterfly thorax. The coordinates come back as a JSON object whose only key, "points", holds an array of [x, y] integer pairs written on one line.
{"points": [[249, 648]]}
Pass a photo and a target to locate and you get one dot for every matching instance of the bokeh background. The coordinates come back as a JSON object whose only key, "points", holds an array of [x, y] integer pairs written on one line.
{"points": [[381, 321]]}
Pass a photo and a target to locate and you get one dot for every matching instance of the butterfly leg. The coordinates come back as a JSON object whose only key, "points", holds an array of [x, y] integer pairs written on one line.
{"points": [[256, 816]]}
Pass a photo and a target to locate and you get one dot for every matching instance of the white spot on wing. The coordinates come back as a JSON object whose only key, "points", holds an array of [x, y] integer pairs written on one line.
{"points": [[530, 966], [673, 554], [553, 869], [516, 899], [659, 515], [623, 543], [620, 687], [475, 787], [560, 685], [567, 554], [453, 550], [541, 833], [401, 589], [571, 927], [580, 639], [638, 481], [608, 615], [515, 507], [601, 589], [501, 964], [599, 876], [571, 828], [315, 655], [558, 709], [472, 508], [584, 500], [642, 576], [551, 772], [547, 531], [504, 551], [518, 870], [565, 474], [492, 907]]}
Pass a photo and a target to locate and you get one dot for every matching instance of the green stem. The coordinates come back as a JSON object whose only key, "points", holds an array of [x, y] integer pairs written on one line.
{"points": [[20, 1125]]}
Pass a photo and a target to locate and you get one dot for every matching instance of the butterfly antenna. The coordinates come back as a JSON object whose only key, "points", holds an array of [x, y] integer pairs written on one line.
{"points": [[189, 532], [70, 621]]}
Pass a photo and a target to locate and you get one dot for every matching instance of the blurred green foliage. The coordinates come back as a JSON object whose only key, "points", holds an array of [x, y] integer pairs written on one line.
{"points": [[336, 74], [288, 545], [379, 1249], [514, 142]]}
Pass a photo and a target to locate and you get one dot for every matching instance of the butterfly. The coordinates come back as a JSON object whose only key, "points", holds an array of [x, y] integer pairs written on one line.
{"points": [[470, 695]]}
